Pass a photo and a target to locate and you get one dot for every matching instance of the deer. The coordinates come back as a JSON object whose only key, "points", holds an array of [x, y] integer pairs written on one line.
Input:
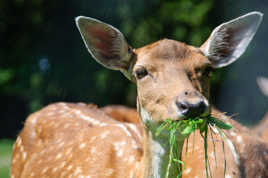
{"points": [[260, 128], [173, 81]]}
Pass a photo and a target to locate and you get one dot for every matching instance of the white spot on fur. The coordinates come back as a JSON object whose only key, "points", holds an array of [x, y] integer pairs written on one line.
{"points": [[59, 156], [104, 135], [134, 144], [118, 148], [44, 170], [68, 152], [19, 141], [93, 138], [232, 148], [63, 105], [69, 167], [120, 152], [131, 159], [60, 145], [228, 176], [123, 127], [134, 128], [239, 139], [77, 112], [232, 133], [62, 164], [21, 149], [33, 120], [77, 171], [61, 111], [102, 124], [24, 155], [82, 145], [131, 175], [87, 118], [93, 150], [187, 171]]}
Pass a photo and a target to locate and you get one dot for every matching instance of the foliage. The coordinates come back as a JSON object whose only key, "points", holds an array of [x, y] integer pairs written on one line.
{"points": [[184, 20], [5, 157]]}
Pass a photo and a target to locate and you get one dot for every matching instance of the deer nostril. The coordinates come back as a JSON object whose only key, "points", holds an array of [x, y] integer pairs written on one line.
{"points": [[182, 105]]}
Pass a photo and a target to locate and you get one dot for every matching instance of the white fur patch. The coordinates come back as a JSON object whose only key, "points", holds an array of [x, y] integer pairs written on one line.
{"points": [[134, 128], [232, 148], [145, 116], [187, 171], [239, 139], [159, 151]]}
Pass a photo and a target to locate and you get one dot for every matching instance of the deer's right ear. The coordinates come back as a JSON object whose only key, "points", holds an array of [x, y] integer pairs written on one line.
{"points": [[105, 43], [230, 40]]}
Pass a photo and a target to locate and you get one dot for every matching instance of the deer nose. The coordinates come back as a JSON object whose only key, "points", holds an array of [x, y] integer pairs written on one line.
{"points": [[191, 110]]}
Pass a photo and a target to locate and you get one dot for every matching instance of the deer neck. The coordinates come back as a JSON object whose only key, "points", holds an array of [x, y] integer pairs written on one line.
{"points": [[156, 158]]}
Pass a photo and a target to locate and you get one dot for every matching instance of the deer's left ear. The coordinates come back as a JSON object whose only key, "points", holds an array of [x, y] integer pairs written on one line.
{"points": [[106, 44], [230, 40]]}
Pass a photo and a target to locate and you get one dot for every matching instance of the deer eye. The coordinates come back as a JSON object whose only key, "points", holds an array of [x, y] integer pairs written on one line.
{"points": [[141, 72]]}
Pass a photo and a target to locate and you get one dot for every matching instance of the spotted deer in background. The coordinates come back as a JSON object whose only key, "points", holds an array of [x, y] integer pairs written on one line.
{"points": [[172, 78], [262, 126]]}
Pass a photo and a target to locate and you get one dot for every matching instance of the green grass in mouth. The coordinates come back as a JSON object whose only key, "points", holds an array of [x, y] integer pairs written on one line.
{"points": [[185, 128]]}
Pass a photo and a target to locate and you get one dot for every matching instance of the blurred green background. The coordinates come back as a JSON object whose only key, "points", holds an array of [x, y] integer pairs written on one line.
{"points": [[43, 59]]}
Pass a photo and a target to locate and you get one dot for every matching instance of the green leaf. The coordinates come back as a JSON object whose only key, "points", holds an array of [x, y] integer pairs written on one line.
{"points": [[221, 124], [187, 130], [178, 161]]}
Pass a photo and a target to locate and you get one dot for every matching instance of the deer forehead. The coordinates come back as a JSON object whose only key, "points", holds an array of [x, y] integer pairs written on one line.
{"points": [[168, 54]]}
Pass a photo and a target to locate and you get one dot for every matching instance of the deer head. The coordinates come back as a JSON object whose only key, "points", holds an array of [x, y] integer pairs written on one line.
{"points": [[172, 77]]}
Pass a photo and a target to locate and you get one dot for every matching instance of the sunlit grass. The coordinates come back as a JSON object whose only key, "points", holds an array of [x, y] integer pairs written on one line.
{"points": [[5, 157]]}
